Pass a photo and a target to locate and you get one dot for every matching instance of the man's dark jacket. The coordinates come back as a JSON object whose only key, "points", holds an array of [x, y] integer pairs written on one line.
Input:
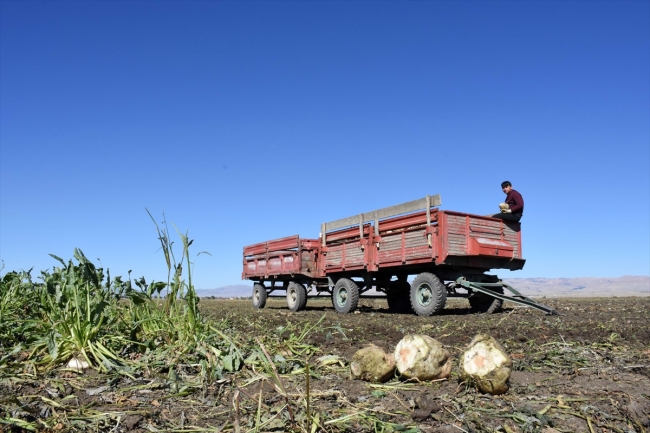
{"points": [[515, 201]]}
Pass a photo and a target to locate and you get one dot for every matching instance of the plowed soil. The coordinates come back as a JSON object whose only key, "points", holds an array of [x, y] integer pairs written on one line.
{"points": [[585, 371], [588, 370]]}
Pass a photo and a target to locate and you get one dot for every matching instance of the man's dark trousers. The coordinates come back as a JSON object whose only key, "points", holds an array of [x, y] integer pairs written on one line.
{"points": [[513, 217]]}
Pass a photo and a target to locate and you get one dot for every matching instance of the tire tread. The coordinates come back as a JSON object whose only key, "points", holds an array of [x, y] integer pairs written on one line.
{"points": [[263, 298], [439, 295], [353, 296], [301, 295]]}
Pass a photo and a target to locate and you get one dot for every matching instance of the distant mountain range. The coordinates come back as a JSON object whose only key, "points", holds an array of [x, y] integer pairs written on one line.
{"points": [[549, 287], [574, 287], [234, 291]]}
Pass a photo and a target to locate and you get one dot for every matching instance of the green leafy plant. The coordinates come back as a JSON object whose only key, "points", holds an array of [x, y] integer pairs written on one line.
{"points": [[78, 315], [17, 300]]}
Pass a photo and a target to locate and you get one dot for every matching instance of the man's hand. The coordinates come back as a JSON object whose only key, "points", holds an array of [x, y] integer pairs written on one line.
{"points": [[506, 211]]}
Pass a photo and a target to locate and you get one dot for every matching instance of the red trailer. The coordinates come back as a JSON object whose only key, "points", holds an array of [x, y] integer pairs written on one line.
{"points": [[448, 253]]}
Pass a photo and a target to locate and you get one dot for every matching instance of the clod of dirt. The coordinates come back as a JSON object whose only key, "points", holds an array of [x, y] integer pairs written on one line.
{"points": [[420, 414], [372, 364], [425, 406], [486, 365], [423, 358], [640, 412], [78, 364], [132, 421]]}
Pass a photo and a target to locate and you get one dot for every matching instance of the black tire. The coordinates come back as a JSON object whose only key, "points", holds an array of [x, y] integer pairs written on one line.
{"points": [[480, 303], [345, 296], [398, 299], [259, 296], [428, 294], [296, 296]]}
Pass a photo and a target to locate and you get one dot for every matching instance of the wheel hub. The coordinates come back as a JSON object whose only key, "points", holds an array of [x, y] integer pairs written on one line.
{"points": [[424, 294], [342, 297]]}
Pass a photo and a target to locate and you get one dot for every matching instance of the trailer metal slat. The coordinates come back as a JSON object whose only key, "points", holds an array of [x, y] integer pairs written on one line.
{"points": [[411, 206]]}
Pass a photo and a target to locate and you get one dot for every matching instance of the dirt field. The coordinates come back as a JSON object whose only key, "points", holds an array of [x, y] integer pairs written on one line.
{"points": [[593, 363], [588, 370]]}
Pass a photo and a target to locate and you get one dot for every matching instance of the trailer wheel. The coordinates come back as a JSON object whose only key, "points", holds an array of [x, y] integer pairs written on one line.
{"points": [[345, 296], [296, 296], [259, 296], [480, 303], [428, 294], [398, 299]]}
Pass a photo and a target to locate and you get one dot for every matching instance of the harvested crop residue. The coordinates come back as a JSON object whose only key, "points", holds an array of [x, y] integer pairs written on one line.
{"points": [[585, 371]]}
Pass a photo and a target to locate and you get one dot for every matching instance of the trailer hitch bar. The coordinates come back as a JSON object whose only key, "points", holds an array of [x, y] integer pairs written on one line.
{"points": [[517, 298]]}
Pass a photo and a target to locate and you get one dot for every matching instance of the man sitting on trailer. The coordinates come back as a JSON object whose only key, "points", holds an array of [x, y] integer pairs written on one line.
{"points": [[513, 208]]}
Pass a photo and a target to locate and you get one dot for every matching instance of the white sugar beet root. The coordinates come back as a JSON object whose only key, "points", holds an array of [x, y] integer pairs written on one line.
{"points": [[78, 364], [486, 365], [423, 358], [372, 364]]}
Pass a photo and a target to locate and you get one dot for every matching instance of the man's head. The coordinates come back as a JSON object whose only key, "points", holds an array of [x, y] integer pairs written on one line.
{"points": [[506, 186]]}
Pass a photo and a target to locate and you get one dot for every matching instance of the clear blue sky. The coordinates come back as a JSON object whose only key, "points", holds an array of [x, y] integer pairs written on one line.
{"points": [[247, 121]]}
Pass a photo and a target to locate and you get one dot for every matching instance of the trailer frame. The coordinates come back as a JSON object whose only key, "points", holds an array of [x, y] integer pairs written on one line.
{"points": [[445, 251]]}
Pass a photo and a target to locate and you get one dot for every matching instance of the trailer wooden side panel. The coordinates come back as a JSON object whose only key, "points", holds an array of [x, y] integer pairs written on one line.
{"points": [[405, 240], [457, 234], [285, 256], [389, 252], [417, 246], [344, 257]]}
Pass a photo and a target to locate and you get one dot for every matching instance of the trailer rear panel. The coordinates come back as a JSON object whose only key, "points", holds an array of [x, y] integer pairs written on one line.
{"points": [[463, 234]]}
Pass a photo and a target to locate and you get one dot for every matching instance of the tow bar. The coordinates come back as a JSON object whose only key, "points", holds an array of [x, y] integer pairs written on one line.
{"points": [[517, 298]]}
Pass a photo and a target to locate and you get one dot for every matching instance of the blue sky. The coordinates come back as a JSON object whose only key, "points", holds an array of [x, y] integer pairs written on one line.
{"points": [[247, 121]]}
